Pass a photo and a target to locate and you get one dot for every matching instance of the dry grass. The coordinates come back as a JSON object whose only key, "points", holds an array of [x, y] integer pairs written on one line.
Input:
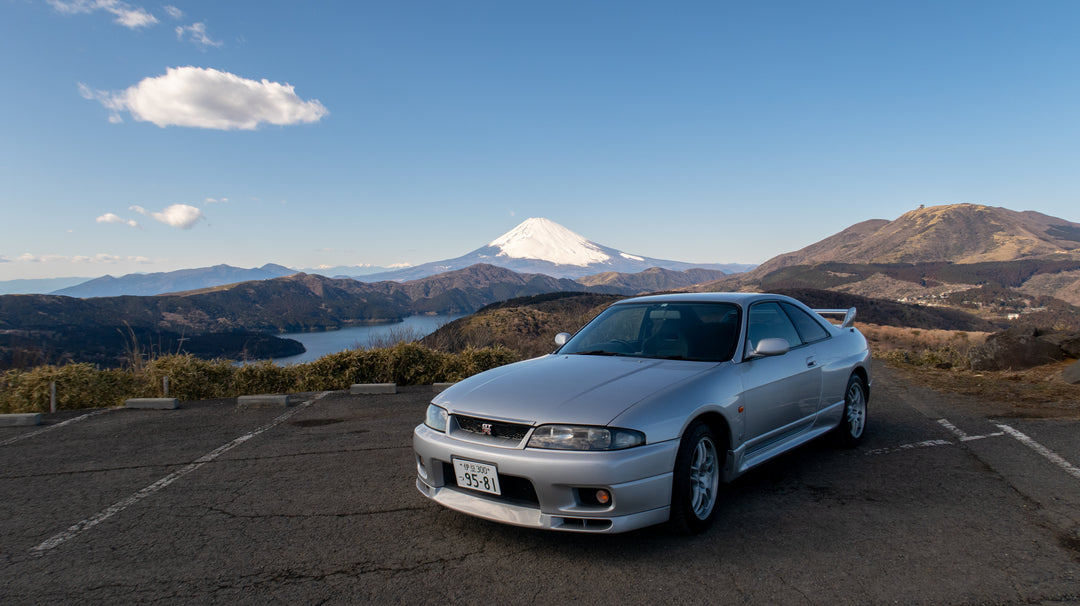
{"points": [[1033, 393], [941, 349], [893, 338], [939, 359]]}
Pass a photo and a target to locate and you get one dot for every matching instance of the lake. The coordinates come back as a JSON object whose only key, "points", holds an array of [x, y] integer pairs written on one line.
{"points": [[319, 344]]}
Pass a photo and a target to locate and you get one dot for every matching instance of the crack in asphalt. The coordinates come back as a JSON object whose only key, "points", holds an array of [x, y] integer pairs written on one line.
{"points": [[204, 587], [320, 453], [214, 462], [301, 516], [364, 568]]}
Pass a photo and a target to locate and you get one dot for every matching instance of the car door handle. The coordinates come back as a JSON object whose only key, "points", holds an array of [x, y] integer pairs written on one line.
{"points": [[811, 362]]}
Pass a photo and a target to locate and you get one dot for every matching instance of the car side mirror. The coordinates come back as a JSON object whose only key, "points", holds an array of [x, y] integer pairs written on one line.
{"points": [[771, 347], [562, 338]]}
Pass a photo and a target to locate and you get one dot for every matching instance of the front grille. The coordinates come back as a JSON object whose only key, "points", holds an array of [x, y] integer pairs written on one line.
{"points": [[498, 429], [513, 488]]}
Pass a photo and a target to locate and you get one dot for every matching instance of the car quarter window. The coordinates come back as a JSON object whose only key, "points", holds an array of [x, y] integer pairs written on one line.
{"points": [[768, 321], [809, 329]]}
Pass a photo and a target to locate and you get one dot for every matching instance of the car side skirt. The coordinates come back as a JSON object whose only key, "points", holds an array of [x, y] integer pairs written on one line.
{"points": [[740, 461]]}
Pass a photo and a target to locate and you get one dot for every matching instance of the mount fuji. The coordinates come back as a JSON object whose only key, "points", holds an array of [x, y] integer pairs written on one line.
{"points": [[542, 246]]}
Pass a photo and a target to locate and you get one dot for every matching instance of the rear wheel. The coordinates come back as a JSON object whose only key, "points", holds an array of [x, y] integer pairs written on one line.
{"points": [[850, 431], [696, 481]]}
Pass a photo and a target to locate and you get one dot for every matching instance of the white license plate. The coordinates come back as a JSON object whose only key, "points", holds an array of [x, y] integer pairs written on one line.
{"points": [[477, 476]]}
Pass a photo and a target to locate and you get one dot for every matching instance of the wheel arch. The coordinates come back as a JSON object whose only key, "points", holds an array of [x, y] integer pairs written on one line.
{"points": [[719, 426], [860, 372]]}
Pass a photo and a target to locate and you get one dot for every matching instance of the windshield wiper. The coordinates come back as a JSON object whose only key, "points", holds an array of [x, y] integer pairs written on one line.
{"points": [[598, 352]]}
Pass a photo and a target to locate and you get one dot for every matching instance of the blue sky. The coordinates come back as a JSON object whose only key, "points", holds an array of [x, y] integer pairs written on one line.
{"points": [[140, 137]]}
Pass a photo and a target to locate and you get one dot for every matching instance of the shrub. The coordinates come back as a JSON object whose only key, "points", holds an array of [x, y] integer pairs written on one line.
{"points": [[264, 377], [472, 361], [192, 378], [414, 364], [332, 371], [77, 386]]}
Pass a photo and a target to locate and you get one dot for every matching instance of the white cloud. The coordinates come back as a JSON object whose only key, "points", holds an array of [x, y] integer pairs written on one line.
{"points": [[174, 12], [132, 17], [105, 99], [98, 258], [196, 32], [216, 200], [207, 98], [111, 218], [183, 216]]}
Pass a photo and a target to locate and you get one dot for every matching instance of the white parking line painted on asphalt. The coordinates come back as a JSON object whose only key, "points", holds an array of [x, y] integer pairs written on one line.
{"points": [[84, 525], [1048, 454], [912, 446], [52, 427], [962, 435], [953, 429]]}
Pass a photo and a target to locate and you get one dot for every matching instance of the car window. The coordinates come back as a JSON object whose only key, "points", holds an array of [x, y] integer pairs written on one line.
{"points": [[768, 321], [688, 331], [809, 329]]}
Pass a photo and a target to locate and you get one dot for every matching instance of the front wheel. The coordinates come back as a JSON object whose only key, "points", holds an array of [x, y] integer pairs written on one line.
{"points": [[695, 481], [852, 425]]}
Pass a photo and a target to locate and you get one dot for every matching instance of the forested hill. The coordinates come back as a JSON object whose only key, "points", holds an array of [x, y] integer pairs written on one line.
{"points": [[300, 302]]}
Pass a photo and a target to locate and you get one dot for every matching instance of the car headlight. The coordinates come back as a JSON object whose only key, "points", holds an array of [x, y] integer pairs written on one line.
{"points": [[576, 437], [436, 418]]}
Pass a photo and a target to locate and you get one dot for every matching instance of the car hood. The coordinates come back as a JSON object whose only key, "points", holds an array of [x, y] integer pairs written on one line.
{"points": [[578, 389]]}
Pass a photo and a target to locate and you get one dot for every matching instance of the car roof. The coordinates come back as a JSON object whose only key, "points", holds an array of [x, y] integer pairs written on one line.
{"points": [[739, 298]]}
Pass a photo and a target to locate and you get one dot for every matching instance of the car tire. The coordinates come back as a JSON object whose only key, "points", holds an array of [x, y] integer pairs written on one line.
{"points": [[696, 481], [852, 425]]}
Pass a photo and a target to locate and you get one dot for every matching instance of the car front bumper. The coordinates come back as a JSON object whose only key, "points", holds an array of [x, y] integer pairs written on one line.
{"points": [[550, 489]]}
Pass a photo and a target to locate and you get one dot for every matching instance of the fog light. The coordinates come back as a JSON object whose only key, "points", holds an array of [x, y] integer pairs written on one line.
{"points": [[603, 497]]}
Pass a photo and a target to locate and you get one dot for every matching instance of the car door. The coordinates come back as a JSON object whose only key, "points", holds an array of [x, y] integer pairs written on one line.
{"points": [[813, 336], [781, 393]]}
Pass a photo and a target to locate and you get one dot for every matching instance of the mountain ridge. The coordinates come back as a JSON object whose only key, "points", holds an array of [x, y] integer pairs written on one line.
{"points": [[535, 246], [541, 246], [930, 253], [173, 281], [955, 233]]}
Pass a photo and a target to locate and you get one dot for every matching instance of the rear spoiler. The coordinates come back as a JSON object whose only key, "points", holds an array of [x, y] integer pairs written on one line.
{"points": [[849, 315]]}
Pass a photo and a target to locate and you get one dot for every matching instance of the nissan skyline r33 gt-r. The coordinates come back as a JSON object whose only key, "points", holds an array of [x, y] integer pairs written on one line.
{"points": [[640, 416]]}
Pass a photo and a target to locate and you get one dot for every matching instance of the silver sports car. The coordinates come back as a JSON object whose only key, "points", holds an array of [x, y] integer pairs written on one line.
{"points": [[638, 418]]}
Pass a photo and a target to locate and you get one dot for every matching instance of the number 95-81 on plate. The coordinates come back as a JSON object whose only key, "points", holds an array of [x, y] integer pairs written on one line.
{"points": [[477, 476]]}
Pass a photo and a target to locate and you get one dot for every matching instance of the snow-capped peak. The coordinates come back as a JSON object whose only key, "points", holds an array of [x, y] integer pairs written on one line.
{"points": [[539, 238]]}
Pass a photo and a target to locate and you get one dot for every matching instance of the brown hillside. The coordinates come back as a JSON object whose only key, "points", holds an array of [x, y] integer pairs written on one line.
{"points": [[651, 280], [957, 233]]}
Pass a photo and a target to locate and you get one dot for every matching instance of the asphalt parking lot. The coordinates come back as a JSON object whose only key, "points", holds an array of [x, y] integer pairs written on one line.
{"points": [[317, 504]]}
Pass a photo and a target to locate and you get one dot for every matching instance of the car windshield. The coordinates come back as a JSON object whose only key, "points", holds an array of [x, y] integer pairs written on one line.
{"points": [[679, 331]]}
